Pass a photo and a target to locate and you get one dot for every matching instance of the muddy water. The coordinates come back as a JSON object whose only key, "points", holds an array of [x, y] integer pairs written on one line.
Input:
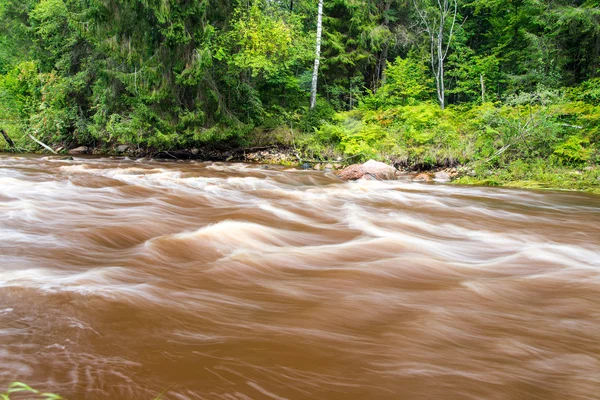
{"points": [[123, 279]]}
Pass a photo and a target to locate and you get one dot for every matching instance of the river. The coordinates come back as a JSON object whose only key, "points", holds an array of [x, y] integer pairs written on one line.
{"points": [[124, 279]]}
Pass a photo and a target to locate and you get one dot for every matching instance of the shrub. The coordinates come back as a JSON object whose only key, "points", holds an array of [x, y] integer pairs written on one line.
{"points": [[573, 151], [407, 81]]}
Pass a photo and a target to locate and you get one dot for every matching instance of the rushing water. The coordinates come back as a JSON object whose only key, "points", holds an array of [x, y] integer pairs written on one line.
{"points": [[121, 279]]}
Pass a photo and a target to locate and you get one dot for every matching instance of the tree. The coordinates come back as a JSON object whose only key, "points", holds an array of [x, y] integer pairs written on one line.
{"points": [[435, 21], [382, 62], [315, 76]]}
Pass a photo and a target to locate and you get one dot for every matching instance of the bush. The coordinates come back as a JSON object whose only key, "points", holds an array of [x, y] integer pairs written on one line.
{"points": [[312, 120], [574, 151], [588, 92], [407, 81]]}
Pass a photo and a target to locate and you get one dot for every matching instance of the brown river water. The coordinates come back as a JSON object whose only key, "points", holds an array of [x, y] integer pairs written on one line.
{"points": [[123, 279]]}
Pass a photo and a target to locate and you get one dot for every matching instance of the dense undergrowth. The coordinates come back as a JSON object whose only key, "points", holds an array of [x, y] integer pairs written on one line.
{"points": [[541, 139], [545, 139]]}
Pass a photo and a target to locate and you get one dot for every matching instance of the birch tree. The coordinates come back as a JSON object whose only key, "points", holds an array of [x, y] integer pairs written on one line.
{"points": [[439, 22], [313, 88]]}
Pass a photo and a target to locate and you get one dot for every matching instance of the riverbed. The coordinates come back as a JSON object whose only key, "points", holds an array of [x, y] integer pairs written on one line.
{"points": [[125, 279]]}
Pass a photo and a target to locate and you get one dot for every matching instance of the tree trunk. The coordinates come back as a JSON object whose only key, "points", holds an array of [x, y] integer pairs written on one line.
{"points": [[42, 144], [595, 57], [10, 142], [482, 88], [440, 50], [435, 27], [313, 89], [382, 64]]}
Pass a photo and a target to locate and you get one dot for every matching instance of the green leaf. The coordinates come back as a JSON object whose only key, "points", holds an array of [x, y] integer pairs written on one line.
{"points": [[16, 387], [51, 396]]}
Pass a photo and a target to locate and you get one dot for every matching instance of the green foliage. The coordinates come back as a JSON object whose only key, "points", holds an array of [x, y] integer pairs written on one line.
{"points": [[407, 81], [574, 151], [50, 22], [311, 120], [541, 125], [268, 43], [470, 72], [18, 388], [536, 174], [587, 92], [171, 74], [354, 137], [20, 93], [420, 135]]}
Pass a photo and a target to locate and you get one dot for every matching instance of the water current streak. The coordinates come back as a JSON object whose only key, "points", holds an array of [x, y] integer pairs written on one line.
{"points": [[121, 279]]}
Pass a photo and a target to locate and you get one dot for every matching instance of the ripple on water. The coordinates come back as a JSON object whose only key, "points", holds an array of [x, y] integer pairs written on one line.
{"points": [[125, 278]]}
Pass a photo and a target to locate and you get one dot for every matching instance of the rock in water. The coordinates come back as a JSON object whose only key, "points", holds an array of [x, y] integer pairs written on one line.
{"points": [[442, 176], [352, 173], [423, 177], [371, 169], [79, 150], [123, 148]]}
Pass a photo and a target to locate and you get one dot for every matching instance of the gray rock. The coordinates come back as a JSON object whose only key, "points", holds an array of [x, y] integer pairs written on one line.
{"points": [[79, 150], [442, 176], [123, 148]]}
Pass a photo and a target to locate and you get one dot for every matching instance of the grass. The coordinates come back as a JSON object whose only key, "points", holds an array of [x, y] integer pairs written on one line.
{"points": [[537, 175]]}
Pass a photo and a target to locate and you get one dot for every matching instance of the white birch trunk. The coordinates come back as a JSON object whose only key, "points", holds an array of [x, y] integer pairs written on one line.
{"points": [[482, 88], [435, 27], [315, 77]]}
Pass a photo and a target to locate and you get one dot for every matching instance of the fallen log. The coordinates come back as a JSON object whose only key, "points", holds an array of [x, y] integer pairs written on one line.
{"points": [[42, 144], [10, 142]]}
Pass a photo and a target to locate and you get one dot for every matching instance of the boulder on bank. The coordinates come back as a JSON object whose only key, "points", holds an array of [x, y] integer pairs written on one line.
{"points": [[442, 176], [422, 177], [79, 150], [370, 170]]}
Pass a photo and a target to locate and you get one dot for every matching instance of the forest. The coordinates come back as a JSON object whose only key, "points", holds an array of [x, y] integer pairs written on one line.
{"points": [[507, 90]]}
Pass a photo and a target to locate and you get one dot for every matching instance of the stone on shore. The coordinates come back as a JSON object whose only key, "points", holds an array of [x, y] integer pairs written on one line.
{"points": [[79, 150], [422, 177], [442, 176], [370, 170]]}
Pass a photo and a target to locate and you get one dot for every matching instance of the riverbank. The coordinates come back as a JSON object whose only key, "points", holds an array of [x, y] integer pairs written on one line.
{"points": [[519, 174], [538, 176], [542, 140]]}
